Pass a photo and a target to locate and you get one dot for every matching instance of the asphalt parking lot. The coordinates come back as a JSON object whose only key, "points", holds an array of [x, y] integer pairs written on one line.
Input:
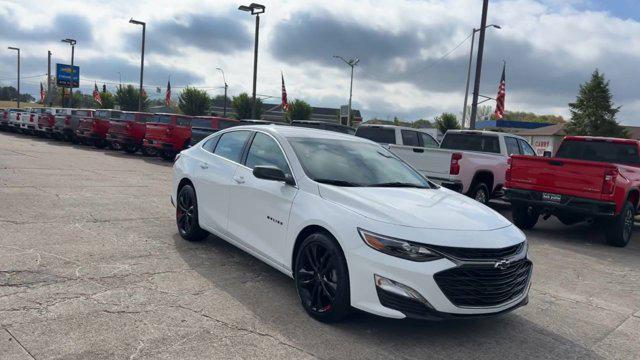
{"points": [[92, 267]]}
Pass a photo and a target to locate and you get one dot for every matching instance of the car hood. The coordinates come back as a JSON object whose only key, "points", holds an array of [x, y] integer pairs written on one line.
{"points": [[421, 208]]}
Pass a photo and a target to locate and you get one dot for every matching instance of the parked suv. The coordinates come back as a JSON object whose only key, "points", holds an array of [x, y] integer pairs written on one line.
{"points": [[168, 134], [92, 129], [203, 126], [127, 132]]}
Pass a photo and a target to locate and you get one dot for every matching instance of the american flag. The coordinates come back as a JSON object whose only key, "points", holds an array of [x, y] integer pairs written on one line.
{"points": [[43, 93], [96, 94], [285, 105], [501, 95], [167, 98]]}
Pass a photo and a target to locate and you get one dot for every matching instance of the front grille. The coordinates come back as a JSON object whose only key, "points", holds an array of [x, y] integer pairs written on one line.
{"points": [[484, 285], [478, 254], [403, 304]]}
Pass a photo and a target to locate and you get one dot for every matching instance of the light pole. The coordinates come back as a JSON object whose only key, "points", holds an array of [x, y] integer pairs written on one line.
{"points": [[466, 89], [120, 79], [144, 28], [225, 91], [476, 85], [71, 42], [254, 9], [18, 50], [352, 63]]}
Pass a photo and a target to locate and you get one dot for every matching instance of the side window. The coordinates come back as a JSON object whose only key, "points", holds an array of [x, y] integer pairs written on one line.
{"points": [[183, 121], [512, 145], [410, 138], [230, 145], [428, 141], [526, 148], [265, 151], [210, 144]]}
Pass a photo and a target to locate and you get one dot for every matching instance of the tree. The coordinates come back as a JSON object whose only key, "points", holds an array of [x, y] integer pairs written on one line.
{"points": [[127, 98], [446, 121], [242, 106], [108, 100], [531, 117], [9, 93], [593, 112], [421, 124], [299, 110], [193, 101]]}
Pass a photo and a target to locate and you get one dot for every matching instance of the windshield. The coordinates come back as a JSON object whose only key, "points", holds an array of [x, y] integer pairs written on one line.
{"points": [[354, 163], [602, 151]]}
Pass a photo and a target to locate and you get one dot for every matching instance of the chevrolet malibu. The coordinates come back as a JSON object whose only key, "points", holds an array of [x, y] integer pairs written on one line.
{"points": [[351, 223]]}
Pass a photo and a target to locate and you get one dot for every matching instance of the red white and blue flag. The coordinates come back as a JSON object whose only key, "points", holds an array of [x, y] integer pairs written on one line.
{"points": [[96, 94], [285, 105], [167, 98], [501, 96], [43, 93]]}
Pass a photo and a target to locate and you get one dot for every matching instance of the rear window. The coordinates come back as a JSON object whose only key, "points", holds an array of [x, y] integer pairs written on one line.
{"points": [[61, 111], [80, 112], [201, 123], [471, 142], [162, 119], [410, 138], [377, 134], [183, 121], [225, 124], [602, 151]]}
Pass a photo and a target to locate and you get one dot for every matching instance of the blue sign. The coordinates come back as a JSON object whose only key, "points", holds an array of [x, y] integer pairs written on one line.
{"points": [[63, 76]]}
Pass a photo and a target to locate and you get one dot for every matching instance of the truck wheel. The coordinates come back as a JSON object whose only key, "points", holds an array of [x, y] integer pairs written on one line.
{"points": [[147, 151], [525, 217], [619, 230], [167, 155], [480, 193], [100, 144], [130, 149]]}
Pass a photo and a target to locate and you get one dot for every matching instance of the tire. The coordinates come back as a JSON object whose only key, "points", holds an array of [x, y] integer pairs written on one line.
{"points": [[480, 193], [524, 217], [100, 144], [619, 230], [131, 149], [167, 155], [187, 215], [322, 278], [149, 151]]}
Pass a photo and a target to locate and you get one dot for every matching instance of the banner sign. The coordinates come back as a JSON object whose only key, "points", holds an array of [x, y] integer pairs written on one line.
{"points": [[63, 76]]}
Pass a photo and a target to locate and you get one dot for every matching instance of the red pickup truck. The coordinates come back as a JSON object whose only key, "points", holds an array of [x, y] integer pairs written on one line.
{"points": [[168, 134], [128, 131], [590, 179]]}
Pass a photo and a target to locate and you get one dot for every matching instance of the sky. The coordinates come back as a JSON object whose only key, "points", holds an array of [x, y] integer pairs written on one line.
{"points": [[413, 54]]}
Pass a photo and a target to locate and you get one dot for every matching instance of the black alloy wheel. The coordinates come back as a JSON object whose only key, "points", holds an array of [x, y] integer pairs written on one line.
{"points": [[619, 229], [187, 215], [322, 279]]}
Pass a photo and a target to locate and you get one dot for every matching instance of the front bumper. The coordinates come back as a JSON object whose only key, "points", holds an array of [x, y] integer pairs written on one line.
{"points": [[567, 204], [365, 263]]}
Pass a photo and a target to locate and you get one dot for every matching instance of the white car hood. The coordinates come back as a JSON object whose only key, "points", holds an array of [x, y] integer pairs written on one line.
{"points": [[421, 208]]}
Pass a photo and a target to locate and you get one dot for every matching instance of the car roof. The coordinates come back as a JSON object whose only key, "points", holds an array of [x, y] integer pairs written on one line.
{"points": [[396, 127], [483, 132], [294, 131]]}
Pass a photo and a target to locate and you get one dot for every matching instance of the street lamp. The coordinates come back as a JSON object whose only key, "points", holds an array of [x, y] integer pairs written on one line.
{"points": [[71, 42], [144, 28], [18, 50], [225, 91], [351, 62], [254, 9], [466, 91]]}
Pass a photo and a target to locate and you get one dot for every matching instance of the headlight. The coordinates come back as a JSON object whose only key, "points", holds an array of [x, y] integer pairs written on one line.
{"points": [[399, 248]]}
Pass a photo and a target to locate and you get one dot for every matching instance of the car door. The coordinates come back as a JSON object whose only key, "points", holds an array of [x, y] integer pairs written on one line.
{"points": [[259, 209], [217, 162]]}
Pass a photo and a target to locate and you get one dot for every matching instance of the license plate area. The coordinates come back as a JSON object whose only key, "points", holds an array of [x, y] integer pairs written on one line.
{"points": [[556, 198]]}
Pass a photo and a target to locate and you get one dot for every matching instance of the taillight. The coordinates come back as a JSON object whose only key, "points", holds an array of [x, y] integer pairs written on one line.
{"points": [[18, 116], [454, 168], [128, 126], [31, 118], [168, 131], [67, 120], [507, 174], [52, 120], [609, 184]]}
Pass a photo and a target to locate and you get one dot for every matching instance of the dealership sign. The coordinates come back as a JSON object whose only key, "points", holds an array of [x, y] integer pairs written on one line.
{"points": [[63, 76]]}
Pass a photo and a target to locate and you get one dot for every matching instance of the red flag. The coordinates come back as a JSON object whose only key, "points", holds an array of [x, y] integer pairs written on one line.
{"points": [[501, 95], [96, 94], [43, 93], [167, 98], [285, 105]]}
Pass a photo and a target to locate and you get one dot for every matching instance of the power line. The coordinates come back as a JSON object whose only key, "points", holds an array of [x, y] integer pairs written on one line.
{"points": [[448, 53], [22, 77]]}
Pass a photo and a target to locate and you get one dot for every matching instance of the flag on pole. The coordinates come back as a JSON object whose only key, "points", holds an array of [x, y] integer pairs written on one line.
{"points": [[167, 98], [285, 105], [96, 94], [43, 93], [501, 95]]}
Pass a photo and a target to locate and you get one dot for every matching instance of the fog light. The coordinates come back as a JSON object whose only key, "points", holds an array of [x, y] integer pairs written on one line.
{"points": [[399, 289]]}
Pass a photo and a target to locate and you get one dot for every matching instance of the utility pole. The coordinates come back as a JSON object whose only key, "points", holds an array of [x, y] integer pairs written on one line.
{"points": [[18, 50], [224, 114], [48, 97], [352, 63], [144, 27], [254, 9], [476, 86]]}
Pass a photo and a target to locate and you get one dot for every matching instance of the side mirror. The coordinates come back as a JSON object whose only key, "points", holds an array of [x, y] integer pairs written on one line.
{"points": [[547, 153], [272, 173]]}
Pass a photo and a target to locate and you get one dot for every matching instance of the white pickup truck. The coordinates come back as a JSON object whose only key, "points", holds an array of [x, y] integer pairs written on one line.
{"points": [[468, 161]]}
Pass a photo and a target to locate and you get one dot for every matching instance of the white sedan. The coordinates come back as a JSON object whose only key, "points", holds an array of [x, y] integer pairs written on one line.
{"points": [[354, 225]]}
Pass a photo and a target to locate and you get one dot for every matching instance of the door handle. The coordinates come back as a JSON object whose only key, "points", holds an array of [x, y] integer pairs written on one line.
{"points": [[239, 179], [204, 166], [417, 150]]}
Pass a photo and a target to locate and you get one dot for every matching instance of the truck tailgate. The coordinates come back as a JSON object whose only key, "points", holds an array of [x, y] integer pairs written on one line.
{"points": [[430, 162], [559, 176]]}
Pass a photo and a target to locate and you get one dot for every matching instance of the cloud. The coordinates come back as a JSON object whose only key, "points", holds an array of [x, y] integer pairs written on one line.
{"points": [[62, 26]]}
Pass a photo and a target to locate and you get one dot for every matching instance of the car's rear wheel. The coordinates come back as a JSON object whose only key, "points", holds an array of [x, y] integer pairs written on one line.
{"points": [[322, 278], [620, 229], [525, 217], [187, 215], [480, 193], [130, 148]]}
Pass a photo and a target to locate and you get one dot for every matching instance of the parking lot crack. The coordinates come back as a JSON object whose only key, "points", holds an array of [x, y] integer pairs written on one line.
{"points": [[19, 343]]}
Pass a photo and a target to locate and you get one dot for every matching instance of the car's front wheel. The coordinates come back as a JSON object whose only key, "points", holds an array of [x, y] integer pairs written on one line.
{"points": [[322, 278], [187, 215]]}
